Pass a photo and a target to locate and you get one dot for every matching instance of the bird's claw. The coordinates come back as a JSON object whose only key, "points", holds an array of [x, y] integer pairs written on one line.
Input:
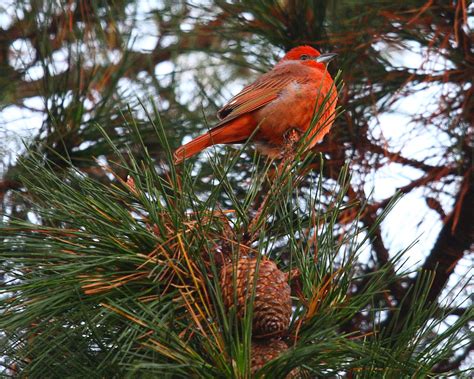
{"points": [[290, 138], [292, 135]]}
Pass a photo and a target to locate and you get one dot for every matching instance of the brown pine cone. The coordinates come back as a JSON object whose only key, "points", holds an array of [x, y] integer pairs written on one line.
{"points": [[264, 351], [272, 302]]}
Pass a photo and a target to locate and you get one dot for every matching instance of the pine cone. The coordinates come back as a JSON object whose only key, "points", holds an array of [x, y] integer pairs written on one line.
{"points": [[272, 302], [264, 351]]}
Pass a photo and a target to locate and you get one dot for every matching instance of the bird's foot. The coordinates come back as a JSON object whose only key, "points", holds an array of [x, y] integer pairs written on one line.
{"points": [[292, 135], [290, 140]]}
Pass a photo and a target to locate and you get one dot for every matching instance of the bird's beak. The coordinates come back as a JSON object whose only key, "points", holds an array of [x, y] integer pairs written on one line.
{"points": [[326, 58]]}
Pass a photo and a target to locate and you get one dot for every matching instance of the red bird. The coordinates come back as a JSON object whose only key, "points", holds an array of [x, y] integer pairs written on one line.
{"points": [[280, 101]]}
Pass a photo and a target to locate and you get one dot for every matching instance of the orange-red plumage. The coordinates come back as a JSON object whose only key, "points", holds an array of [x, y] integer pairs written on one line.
{"points": [[281, 100]]}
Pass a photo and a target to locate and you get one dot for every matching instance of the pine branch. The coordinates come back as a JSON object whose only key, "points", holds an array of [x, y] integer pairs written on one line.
{"points": [[454, 240]]}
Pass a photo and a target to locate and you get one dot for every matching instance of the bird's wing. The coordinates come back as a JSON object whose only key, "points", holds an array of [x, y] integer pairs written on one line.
{"points": [[256, 95]]}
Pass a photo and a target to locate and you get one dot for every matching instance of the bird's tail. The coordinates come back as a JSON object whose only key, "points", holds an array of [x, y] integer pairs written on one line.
{"points": [[191, 148], [235, 131]]}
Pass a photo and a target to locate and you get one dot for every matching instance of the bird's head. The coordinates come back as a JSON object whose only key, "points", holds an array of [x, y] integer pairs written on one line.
{"points": [[308, 56]]}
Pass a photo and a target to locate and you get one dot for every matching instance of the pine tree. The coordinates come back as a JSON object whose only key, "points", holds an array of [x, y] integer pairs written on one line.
{"points": [[113, 277]]}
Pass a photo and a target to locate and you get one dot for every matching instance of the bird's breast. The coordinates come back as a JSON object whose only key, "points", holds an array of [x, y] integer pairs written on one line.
{"points": [[292, 109]]}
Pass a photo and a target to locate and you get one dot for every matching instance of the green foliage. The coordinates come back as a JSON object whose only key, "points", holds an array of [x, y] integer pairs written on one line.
{"points": [[122, 278]]}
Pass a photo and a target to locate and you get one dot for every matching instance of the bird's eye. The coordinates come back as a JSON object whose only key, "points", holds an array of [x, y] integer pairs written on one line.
{"points": [[304, 57]]}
